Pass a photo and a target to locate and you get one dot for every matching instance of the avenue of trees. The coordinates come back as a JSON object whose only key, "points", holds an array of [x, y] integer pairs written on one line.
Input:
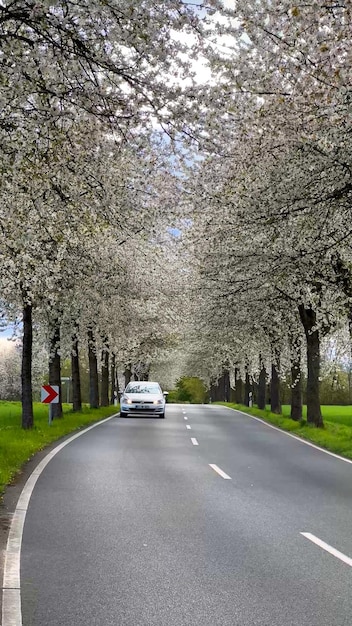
{"points": [[176, 183]]}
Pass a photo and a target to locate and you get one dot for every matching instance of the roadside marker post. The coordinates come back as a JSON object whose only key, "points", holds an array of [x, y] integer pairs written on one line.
{"points": [[67, 380], [50, 395]]}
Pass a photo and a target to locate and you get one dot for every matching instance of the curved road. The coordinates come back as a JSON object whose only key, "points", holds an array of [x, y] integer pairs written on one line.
{"points": [[134, 524]]}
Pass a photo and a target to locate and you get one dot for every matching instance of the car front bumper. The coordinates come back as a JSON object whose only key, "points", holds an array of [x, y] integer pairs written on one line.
{"points": [[149, 409]]}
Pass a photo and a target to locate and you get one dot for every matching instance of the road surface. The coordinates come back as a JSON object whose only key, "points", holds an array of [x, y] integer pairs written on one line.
{"points": [[192, 520]]}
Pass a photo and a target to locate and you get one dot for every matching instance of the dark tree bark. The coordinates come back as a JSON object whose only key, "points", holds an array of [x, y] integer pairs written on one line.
{"points": [[55, 366], [308, 318], [113, 392], [261, 400], [75, 373], [296, 379], [238, 387], [105, 374], [247, 390], [127, 374], [227, 388], [26, 369], [93, 371], [221, 388], [275, 384], [213, 391]]}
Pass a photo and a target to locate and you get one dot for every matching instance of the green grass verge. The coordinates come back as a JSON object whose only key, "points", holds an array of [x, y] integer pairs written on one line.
{"points": [[331, 413], [17, 445], [336, 435]]}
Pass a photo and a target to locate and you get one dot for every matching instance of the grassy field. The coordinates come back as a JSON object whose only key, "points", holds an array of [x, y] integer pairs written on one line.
{"points": [[336, 414], [336, 435], [17, 445]]}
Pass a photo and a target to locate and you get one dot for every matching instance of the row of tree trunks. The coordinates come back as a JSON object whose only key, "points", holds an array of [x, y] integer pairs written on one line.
{"points": [[55, 370], [314, 416], [220, 390]]}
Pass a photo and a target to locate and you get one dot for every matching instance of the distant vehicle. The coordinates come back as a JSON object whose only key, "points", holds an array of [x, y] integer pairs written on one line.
{"points": [[143, 398]]}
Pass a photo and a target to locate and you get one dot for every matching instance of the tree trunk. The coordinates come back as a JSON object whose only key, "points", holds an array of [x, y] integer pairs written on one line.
{"points": [[308, 319], [226, 377], [248, 393], [93, 371], [26, 369], [261, 402], [296, 379], [55, 366], [113, 393], [213, 391], [105, 375], [275, 385], [221, 388], [75, 374], [238, 387], [127, 374]]}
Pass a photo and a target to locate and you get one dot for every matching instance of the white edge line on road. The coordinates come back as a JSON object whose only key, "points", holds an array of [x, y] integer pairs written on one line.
{"points": [[11, 586], [188, 427], [307, 443], [219, 471], [330, 549], [194, 441]]}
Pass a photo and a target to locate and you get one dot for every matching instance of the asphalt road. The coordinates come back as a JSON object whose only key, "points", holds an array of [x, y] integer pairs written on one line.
{"points": [[129, 525]]}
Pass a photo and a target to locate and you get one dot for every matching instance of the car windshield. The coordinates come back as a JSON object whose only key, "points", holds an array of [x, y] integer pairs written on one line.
{"points": [[137, 388]]}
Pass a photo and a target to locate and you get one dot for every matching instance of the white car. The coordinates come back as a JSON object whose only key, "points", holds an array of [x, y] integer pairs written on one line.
{"points": [[143, 398]]}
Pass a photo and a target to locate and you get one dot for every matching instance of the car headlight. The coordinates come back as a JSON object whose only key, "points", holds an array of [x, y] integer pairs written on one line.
{"points": [[126, 400], [158, 401]]}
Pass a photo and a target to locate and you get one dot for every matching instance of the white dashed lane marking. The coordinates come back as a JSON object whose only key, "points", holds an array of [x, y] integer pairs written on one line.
{"points": [[327, 548], [219, 471], [194, 441]]}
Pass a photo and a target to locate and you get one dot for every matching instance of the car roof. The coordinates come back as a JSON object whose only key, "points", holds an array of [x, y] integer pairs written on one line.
{"points": [[142, 382]]}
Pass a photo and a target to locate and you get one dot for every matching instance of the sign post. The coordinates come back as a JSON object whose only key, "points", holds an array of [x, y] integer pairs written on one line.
{"points": [[50, 395], [67, 380]]}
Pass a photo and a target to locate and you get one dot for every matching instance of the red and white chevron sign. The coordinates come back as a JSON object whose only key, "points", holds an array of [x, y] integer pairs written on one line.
{"points": [[50, 394]]}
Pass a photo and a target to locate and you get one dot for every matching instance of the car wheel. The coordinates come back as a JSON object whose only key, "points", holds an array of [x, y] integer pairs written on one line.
{"points": [[162, 415], [122, 414]]}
